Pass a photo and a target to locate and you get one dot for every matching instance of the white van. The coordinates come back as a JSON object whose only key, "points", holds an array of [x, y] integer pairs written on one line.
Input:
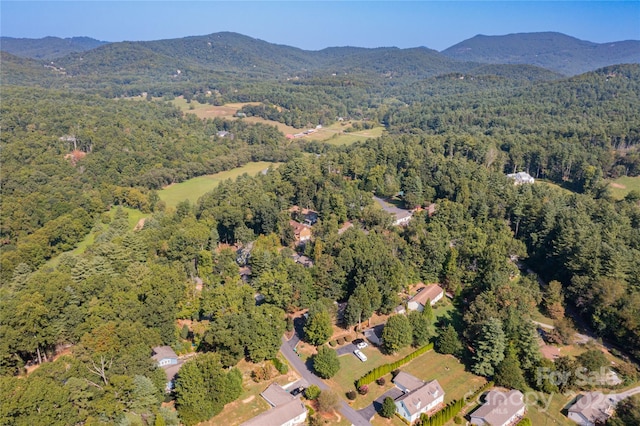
{"points": [[362, 357]]}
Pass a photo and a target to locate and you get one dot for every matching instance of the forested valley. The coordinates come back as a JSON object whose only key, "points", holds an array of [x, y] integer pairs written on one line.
{"points": [[77, 159]]}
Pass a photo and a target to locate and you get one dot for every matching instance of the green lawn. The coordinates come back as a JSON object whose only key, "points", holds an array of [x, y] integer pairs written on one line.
{"points": [[352, 137], [623, 185], [543, 413], [250, 403], [193, 189]]}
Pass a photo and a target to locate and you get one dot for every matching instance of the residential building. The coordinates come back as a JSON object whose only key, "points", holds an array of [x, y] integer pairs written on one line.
{"points": [[287, 410], [432, 292], [301, 232], [167, 359], [591, 409], [521, 178], [401, 217], [418, 396], [500, 409]]}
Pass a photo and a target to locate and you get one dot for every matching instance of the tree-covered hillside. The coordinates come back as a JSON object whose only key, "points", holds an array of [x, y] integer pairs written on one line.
{"points": [[219, 280], [554, 51]]}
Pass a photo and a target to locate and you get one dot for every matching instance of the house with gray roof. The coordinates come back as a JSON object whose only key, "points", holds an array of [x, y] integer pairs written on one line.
{"points": [[418, 396], [287, 410], [166, 358], [591, 409], [500, 409]]}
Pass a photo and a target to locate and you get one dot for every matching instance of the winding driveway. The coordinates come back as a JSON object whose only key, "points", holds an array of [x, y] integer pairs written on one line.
{"points": [[287, 349]]}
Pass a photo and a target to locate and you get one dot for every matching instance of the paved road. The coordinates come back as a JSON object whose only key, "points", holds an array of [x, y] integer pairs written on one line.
{"points": [[296, 362], [617, 397]]}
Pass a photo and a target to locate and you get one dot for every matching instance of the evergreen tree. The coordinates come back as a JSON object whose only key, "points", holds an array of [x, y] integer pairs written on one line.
{"points": [[396, 334], [489, 347], [508, 373], [448, 341], [419, 328], [388, 408]]}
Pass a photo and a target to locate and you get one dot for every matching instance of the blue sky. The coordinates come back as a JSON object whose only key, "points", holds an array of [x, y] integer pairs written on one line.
{"points": [[315, 25]]}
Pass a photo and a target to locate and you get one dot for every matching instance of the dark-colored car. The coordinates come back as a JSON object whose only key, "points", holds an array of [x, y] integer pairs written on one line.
{"points": [[357, 341], [297, 390]]}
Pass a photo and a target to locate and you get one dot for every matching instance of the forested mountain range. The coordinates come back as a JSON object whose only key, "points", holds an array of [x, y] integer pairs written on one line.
{"points": [[554, 51], [195, 58], [75, 151], [47, 47]]}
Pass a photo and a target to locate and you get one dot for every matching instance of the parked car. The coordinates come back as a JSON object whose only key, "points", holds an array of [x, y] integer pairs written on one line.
{"points": [[362, 345], [357, 341], [297, 390], [362, 357]]}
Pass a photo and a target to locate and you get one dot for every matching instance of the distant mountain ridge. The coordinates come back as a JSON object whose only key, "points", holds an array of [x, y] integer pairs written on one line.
{"points": [[47, 47], [554, 51], [90, 63]]}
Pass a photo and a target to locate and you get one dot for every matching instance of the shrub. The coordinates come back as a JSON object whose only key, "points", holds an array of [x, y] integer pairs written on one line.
{"points": [[351, 395], [341, 340], [328, 401], [282, 367], [333, 343], [262, 373], [381, 381], [348, 338], [457, 420], [312, 392], [363, 390]]}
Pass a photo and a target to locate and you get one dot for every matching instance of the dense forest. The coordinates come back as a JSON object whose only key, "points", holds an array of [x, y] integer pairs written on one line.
{"points": [[76, 157]]}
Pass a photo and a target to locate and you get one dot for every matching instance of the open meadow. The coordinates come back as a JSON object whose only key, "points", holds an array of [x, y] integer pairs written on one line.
{"points": [[623, 185], [193, 189], [332, 134]]}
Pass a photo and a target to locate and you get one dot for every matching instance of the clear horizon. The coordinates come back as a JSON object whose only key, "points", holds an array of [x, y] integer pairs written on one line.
{"points": [[313, 25]]}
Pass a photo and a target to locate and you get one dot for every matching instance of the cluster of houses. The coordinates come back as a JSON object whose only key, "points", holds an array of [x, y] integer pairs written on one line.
{"points": [[305, 133]]}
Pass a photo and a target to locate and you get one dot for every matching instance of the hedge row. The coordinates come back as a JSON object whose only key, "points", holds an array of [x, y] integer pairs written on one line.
{"points": [[388, 368], [478, 391], [451, 409], [442, 416]]}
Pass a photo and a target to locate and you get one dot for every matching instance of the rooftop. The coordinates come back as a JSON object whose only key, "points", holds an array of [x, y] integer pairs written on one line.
{"points": [[275, 395], [593, 406], [162, 352], [499, 406], [419, 398], [279, 415], [429, 292]]}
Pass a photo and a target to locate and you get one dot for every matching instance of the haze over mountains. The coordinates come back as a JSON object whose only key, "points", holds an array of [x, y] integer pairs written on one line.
{"points": [[234, 52]]}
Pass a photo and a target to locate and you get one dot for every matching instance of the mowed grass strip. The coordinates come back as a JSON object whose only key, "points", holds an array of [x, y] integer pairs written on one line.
{"points": [[623, 185], [193, 189]]}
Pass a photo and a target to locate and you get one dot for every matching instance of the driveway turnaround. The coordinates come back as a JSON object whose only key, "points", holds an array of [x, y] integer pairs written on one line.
{"points": [[287, 351]]}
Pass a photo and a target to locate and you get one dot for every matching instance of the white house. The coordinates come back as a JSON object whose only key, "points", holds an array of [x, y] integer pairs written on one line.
{"points": [[418, 397], [287, 409], [432, 292], [500, 409], [521, 178], [591, 408]]}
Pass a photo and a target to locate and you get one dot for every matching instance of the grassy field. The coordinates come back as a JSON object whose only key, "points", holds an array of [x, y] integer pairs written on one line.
{"points": [[332, 134], [134, 217], [623, 185], [193, 189]]}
